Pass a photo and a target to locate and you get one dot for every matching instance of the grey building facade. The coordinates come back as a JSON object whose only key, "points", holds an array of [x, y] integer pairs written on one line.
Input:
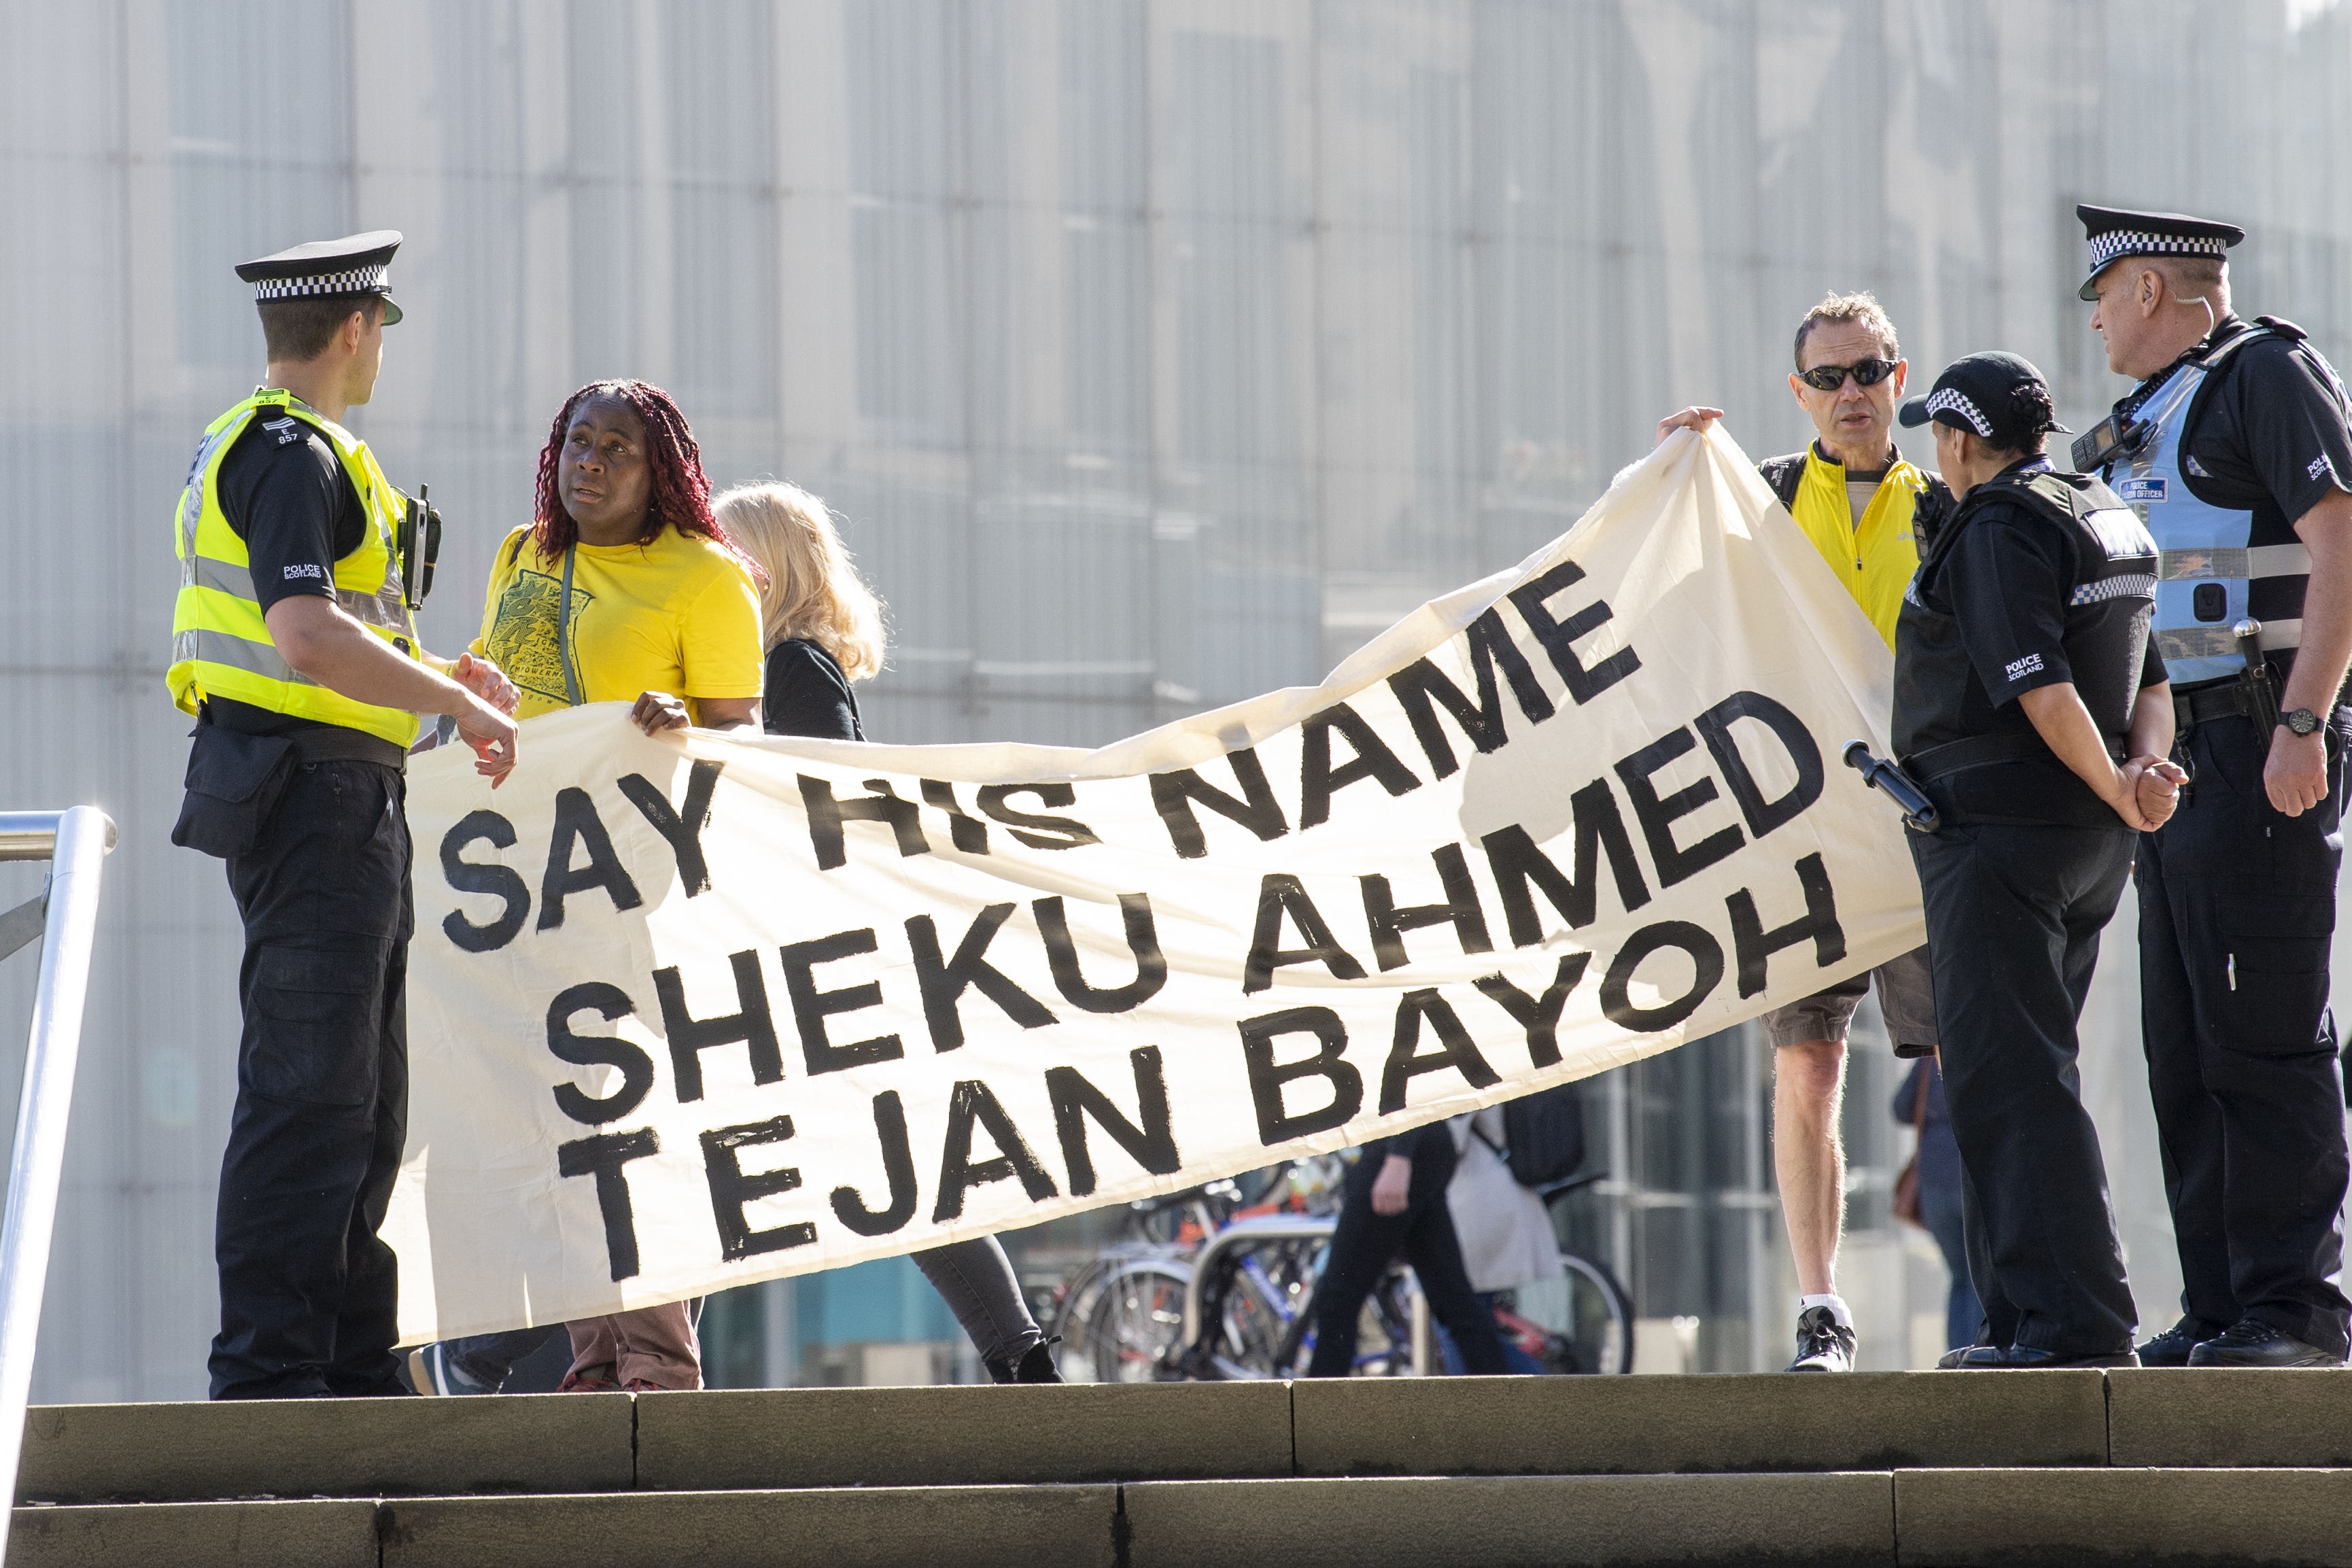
{"points": [[1155, 353]]}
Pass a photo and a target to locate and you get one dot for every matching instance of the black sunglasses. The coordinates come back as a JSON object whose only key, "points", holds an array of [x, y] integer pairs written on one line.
{"points": [[1830, 378]]}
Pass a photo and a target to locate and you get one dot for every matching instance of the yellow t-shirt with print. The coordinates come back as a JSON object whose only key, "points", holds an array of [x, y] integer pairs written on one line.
{"points": [[678, 615]]}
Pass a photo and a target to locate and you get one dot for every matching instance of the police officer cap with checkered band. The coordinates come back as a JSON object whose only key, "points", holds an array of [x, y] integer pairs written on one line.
{"points": [[354, 264], [1980, 393], [2112, 234]]}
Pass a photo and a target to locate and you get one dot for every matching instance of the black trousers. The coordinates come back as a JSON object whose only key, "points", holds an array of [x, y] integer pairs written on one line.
{"points": [[2237, 907], [309, 1293], [2014, 922], [1365, 1241]]}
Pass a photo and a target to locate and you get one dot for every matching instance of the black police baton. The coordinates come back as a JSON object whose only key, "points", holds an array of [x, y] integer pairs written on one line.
{"points": [[1919, 813]]}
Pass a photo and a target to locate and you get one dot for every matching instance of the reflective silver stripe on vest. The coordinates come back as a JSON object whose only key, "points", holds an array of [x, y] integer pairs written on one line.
{"points": [[382, 608], [192, 496], [2220, 643], [2223, 561], [237, 653], [226, 577], [211, 571]]}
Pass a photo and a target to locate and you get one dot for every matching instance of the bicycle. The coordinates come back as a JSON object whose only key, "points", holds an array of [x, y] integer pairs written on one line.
{"points": [[1120, 1318], [1252, 1311]]}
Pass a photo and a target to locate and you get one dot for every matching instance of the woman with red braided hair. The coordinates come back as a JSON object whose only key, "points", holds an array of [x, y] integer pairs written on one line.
{"points": [[659, 605], [656, 605]]}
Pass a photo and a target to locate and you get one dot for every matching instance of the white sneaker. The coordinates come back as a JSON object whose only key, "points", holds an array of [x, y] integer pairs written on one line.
{"points": [[1823, 1344]]}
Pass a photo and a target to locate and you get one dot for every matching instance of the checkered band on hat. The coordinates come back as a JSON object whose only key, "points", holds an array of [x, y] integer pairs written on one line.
{"points": [[355, 280], [2115, 243], [1953, 398]]}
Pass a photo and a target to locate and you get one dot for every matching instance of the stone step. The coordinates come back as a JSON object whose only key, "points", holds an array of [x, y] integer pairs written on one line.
{"points": [[1884, 1519], [819, 1437]]}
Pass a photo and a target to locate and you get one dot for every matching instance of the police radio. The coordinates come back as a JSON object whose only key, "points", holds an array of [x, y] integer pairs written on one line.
{"points": [[420, 545], [2115, 439]]}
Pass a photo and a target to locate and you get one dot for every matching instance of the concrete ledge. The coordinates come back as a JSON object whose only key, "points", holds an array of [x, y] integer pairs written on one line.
{"points": [[917, 1527], [195, 1535], [963, 1436], [2216, 1416], [330, 1448], [1644, 1426], [2148, 1519], [1515, 1522]]}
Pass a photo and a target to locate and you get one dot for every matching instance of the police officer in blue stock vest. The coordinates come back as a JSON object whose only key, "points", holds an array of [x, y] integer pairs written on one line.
{"points": [[2029, 705], [294, 644], [2234, 448]]}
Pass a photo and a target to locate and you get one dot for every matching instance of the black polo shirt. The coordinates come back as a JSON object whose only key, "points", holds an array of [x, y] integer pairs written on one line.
{"points": [[1984, 623]]}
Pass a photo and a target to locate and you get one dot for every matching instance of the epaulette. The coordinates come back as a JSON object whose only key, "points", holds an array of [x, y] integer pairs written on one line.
{"points": [[2284, 328]]}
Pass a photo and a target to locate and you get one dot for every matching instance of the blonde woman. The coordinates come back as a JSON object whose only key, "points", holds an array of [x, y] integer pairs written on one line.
{"points": [[823, 632]]}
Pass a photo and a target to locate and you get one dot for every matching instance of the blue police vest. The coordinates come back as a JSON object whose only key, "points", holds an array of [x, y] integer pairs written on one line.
{"points": [[2206, 570]]}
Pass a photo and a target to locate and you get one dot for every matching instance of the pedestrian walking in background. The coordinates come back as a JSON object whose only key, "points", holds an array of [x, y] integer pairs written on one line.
{"points": [[1504, 1229], [823, 632], [1935, 1185], [1394, 1200]]}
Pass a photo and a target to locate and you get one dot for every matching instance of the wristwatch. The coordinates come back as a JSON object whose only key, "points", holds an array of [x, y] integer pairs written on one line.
{"points": [[2301, 721]]}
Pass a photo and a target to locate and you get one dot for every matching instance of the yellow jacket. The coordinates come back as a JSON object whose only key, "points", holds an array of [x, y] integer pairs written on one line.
{"points": [[1876, 559]]}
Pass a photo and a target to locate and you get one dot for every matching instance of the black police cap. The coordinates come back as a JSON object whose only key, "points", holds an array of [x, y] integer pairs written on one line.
{"points": [[1979, 393], [2111, 233], [356, 264]]}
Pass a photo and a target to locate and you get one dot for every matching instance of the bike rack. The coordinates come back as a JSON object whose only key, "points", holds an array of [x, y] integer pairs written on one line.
{"points": [[1244, 1234], [1240, 1236], [65, 917]]}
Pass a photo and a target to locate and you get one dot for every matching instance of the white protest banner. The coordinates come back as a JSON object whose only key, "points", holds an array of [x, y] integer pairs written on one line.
{"points": [[697, 1011]]}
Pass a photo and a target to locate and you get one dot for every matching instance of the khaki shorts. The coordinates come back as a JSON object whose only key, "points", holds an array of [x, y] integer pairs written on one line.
{"points": [[1906, 998]]}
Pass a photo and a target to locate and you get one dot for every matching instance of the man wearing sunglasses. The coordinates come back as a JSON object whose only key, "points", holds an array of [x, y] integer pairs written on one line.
{"points": [[1870, 514], [2236, 449]]}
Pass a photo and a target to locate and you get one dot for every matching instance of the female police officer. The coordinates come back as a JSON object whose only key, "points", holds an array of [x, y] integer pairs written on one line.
{"points": [[2023, 681]]}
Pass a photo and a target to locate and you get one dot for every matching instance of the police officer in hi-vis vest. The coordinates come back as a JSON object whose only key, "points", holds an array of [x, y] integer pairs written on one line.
{"points": [[2235, 450], [294, 644]]}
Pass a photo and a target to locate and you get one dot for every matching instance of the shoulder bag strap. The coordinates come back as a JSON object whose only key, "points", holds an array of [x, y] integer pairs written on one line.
{"points": [[563, 630]]}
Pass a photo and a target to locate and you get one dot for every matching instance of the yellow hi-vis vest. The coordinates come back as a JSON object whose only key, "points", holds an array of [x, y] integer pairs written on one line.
{"points": [[220, 640], [1876, 558]]}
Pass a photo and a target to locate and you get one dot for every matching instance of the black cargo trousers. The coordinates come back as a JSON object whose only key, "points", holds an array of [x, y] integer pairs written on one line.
{"points": [[2237, 914], [309, 1292], [2014, 913]]}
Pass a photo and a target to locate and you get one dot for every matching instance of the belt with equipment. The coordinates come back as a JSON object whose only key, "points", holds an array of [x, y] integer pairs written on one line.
{"points": [[2220, 699], [2255, 695]]}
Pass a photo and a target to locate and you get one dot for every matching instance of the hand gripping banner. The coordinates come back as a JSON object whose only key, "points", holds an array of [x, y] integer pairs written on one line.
{"points": [[691, 1012]]}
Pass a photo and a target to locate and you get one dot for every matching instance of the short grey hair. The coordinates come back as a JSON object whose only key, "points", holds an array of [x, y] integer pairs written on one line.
{"points": [[1861, 308]]}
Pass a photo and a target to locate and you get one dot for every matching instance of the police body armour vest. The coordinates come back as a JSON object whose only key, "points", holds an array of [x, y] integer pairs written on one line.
{"points": [[2209, 566], [220, 640], [2109, 609]]}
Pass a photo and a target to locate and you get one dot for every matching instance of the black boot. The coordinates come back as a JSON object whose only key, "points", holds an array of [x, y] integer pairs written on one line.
{"points": [[2250, 1341], [1035, 1365], [2172, 1347]]}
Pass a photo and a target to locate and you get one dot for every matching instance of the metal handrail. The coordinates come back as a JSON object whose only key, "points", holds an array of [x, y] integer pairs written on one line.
{"points": [[75, 843]]}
